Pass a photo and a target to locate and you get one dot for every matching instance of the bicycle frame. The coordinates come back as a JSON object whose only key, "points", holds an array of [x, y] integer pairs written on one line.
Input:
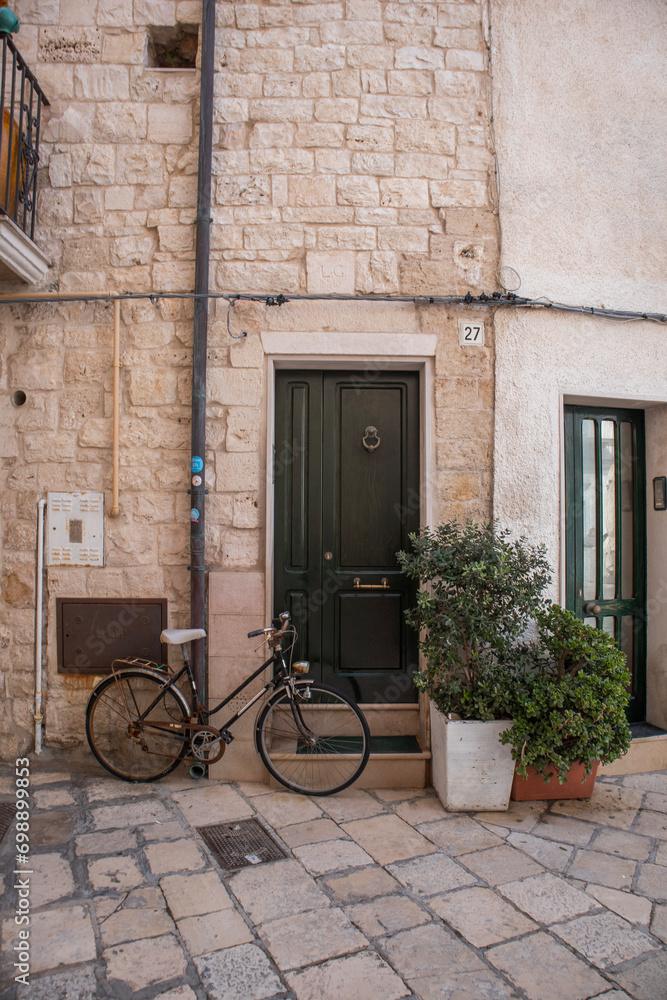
{"points": [[199, 712]]}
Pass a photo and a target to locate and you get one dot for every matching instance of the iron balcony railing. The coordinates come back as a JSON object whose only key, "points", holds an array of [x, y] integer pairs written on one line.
{"points": [[21, 100]]}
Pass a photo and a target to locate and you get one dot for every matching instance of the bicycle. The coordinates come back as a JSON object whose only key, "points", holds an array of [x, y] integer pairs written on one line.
{"points": [[312, 738]]}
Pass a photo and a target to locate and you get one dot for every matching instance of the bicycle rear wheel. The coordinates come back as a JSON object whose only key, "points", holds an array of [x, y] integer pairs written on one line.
{"points": [[122, 744], [317, 746]]}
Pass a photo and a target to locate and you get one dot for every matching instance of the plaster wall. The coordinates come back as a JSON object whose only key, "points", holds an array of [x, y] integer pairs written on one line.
{"points": [[578, 91], [543, 360], [579, 98]]}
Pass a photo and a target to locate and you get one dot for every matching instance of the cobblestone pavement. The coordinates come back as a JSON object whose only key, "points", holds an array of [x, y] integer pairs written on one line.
{"points": [[383, 895]]}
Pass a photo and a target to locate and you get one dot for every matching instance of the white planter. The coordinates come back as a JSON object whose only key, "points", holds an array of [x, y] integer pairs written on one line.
{"points": [[471, 770]]}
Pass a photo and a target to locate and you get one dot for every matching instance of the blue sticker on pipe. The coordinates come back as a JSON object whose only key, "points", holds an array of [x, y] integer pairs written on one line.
{"points": [[196, 463], [194, 514]]}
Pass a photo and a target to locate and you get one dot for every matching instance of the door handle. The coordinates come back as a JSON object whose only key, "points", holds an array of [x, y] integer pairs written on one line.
{"points": [[358, 585], [592, 609]]}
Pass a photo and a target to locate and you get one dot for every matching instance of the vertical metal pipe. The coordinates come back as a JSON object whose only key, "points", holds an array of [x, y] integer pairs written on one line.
{"points": [[115, 509], [203, 225], [38, 626]]}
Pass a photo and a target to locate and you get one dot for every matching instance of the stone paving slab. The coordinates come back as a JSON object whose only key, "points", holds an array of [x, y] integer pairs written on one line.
{"points": [[646, 979], [624, 845], [604, 869], [358, 977], [331, 856], [659, 922], [140, 964], [427, 876], [610, 805], [551, 854], [545, 969], [238, 974], [383, 895], [605, 939], [306, 938], [214, 931], [547, 898], [632, 908], [386, 914], [501, 864], [388, 838], [460, 835], [480, 916], [427, 956]]}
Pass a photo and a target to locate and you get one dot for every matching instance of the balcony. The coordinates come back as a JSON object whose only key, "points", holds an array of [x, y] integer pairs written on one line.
{"points": [[21, 102]]}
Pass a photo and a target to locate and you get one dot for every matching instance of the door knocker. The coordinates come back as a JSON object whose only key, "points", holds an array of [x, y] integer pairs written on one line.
{"points": [[371, 432]]}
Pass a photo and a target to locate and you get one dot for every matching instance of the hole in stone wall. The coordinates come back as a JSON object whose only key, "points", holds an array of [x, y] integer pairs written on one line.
{"points": [[173, 47], [19, 397]]}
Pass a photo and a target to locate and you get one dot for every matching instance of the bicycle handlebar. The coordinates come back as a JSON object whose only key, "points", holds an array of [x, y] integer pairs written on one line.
{"points": [[280, 623]]}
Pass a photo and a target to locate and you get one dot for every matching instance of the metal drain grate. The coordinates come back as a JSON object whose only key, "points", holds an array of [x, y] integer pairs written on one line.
{"points": [[238, 845], [7, 814]]}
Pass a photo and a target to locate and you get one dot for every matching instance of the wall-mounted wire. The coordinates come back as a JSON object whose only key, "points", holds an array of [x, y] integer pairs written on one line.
{"points": [[495, 299], [230, 306]]}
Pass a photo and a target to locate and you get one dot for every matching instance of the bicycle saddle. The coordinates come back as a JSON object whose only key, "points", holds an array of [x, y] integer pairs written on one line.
{"points": [[177, 636]]}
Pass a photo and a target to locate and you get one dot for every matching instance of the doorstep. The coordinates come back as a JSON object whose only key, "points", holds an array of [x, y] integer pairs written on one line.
{"points": [[646, 753]]}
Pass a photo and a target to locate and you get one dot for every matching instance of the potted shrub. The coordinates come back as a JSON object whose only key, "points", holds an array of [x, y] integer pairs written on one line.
{"points": [[479, 593], [569, 710]]}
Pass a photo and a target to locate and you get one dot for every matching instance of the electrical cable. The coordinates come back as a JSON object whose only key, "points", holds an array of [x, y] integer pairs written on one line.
{"points": [[495, 300]]}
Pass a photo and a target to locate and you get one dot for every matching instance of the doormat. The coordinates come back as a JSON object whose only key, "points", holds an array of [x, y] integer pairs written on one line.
{"points": [[352, 744], [7, 814], [640, 730], [240, 844]]}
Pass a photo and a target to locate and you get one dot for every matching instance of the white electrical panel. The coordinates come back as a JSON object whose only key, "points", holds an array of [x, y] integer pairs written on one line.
{"points": [[75, 534]]}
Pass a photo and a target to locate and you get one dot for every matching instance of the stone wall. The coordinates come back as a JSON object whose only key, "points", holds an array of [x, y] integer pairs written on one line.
{"points": [[351, 154]]}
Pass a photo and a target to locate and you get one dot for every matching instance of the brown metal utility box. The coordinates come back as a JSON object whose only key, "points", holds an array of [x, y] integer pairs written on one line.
{"points": [[92, 632]]}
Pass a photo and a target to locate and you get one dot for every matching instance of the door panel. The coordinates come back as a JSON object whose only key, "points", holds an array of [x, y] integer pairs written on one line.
{"points": [[605, 541], [368, 537], [346, 477], [368, 632]]}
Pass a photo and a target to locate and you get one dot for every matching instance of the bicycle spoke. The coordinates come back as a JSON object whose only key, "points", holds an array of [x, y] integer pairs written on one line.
{"points": [[319, 744], [124, 743]]}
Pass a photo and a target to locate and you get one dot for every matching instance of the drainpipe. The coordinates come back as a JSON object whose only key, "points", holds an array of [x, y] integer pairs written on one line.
{"points": [[198, 459], [38, 626], [115, 509]]}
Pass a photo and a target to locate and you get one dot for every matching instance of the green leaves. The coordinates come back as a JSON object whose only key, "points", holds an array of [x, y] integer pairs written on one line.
{"points": [[571, 700], [482, 592], [566, 692]]}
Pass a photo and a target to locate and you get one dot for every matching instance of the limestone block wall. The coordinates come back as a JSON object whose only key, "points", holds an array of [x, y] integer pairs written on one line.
{"points": [[351, 155]]}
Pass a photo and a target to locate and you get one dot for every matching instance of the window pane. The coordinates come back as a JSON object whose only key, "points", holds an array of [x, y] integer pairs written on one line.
{"points": [[608, 509], [591, 621], [627, 513], [609, 626], [589, 505], [627, 645]]}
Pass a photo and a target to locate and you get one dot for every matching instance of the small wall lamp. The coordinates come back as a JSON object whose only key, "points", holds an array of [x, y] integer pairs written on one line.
{"points": [[660, 493]]}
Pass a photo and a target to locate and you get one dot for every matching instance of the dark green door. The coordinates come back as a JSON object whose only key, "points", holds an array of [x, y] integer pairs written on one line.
{"points": [[346, 473], [605, 502]]}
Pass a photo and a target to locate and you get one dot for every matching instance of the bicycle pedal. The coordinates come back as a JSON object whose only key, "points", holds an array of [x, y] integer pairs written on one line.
{"points": [[227, 736]]}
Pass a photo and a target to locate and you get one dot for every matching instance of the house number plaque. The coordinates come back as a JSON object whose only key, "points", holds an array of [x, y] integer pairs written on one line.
{"points": [[471, 333]]}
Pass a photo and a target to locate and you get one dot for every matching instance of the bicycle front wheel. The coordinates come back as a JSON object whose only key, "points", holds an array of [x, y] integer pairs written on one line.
{"points": [[317, 743], [125, 744]]}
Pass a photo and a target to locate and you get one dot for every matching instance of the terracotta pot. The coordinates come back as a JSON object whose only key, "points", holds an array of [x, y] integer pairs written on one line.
{"points": [[533, 787]]}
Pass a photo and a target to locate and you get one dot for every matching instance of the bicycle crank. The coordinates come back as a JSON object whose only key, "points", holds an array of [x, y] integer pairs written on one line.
{"points": [[207, 745]]}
